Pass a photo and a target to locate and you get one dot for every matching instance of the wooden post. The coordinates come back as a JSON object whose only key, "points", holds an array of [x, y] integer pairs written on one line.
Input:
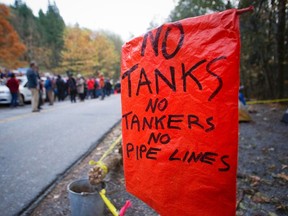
{"points": [[100, 170]]}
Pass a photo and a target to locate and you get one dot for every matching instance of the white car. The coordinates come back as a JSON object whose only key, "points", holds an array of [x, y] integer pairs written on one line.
{"points": [[5, 96]]}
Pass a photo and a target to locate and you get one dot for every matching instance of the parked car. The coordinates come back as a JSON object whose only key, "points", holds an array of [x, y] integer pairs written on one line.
{"points": [[5, 96]]}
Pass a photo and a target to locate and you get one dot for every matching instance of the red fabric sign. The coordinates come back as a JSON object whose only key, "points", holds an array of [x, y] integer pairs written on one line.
{"points": [[179, 86]]}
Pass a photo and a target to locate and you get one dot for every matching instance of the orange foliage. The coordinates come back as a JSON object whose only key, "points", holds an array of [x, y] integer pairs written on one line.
{"points": [[11, 48]]}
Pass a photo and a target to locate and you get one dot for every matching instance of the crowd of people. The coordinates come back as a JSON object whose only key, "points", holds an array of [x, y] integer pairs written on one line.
{"points": [[77, 88], [85, 88]]}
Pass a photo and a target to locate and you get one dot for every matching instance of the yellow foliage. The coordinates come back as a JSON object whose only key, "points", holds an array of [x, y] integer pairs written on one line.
{"points": [[86, 52], [78, 50]]}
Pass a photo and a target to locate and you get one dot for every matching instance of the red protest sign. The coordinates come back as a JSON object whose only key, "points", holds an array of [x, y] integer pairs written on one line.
{"points": [[180, 115]]}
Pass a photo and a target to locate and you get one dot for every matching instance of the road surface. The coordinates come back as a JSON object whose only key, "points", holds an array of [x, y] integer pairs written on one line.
{"points": [[37, 148]]}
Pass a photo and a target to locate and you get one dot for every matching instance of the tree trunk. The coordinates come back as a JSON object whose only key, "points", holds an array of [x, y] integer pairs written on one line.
{"points": [[281, 46]]}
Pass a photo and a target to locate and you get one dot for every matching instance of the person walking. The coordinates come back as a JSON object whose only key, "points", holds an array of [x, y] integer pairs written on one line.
{"points": [[102, 86], [20, 99], [96, 88], [108, 87], [49, 89], [13, 86], [60, 85], [72, 89], [80, 87], [40, 89], [33, 85], [90, 87]]}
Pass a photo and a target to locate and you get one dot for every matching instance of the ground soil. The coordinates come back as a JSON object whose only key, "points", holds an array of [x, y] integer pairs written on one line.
{"points": [[262, 179]]}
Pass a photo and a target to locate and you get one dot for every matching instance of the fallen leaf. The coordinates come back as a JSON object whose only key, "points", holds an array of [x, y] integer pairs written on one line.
{"points": [[56, 196], [249, 191], [272, 214], [282, 207], [241, 205], [267, 182], [255, 180], [260, 198], [272, 167], [283, 176]]}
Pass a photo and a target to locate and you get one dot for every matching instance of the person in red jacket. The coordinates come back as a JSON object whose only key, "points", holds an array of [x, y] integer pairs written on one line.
{"points": [[13, 86], [90, 87]]}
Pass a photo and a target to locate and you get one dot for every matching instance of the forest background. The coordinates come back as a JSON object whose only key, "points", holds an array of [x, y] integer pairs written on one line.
{"points": [[58, 47]]}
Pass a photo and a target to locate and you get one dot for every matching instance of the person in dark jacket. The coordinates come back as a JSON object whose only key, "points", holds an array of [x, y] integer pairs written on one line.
{"points": [[72, 88], [60, 85], [33, 85], [108, 87]]}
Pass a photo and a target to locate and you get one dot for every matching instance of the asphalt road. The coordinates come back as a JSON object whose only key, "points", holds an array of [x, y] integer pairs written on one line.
{"points": [[37, 148]]}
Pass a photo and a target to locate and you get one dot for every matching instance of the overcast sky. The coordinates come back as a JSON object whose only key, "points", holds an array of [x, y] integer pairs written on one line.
{"points": [[123, 17]]}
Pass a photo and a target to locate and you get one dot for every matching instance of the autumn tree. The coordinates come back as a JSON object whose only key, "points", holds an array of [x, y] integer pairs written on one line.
{"points": [[117, 41], [59, 48], [29, 30], [11, 49], [43, 35], [107, 56], [79, 53], [87, 52]]}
